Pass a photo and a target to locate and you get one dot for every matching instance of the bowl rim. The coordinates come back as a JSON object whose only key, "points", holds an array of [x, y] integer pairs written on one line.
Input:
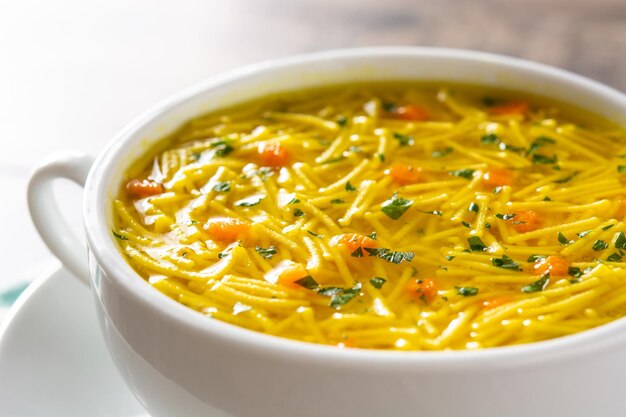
{"points": [[110, 259]]}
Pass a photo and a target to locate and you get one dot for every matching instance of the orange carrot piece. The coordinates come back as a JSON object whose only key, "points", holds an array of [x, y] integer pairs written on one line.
{"points": [[497, 177], [404, 174], [511, 108], [291, 274], [495, 302], [554, 265], [226, 229], [273, 154], [144, 188], [353, 241], [411, 112], [425, 289], [526, 221]]}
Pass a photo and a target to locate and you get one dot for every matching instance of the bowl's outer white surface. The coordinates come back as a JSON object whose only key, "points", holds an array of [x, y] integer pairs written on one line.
{"points": [[53, 362], [178, 362]]}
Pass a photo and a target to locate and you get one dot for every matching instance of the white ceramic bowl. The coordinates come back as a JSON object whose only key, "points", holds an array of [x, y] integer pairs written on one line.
{"points": [[182, 364]]}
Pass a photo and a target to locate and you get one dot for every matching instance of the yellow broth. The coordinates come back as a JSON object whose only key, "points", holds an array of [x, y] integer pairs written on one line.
{"points": [[395, 216]]}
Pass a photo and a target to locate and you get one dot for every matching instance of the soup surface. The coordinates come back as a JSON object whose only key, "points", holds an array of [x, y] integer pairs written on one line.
{"points": [[386, 217]]}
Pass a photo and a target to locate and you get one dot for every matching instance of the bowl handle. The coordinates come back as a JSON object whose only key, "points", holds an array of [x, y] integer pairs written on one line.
{"points": [[45, 213]]}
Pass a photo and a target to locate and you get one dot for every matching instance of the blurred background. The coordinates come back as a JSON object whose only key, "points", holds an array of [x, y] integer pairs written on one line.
{"points": [[72, 73]]}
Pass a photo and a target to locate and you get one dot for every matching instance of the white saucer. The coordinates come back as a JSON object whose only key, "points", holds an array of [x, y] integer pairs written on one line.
{"points": [[53, 361]]}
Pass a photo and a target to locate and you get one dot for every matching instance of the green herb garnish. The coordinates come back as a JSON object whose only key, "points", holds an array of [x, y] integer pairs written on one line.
{"points": [[614, 257], [395, 207], [505, 216], [337, 201], [506, 263], [543, 159], [538, 285], [117, 235], [250, 201], [540, 142], [476, 244], [340, 296], [308, 282], [574, 271], [440, 153], [562, 239], [535, 258], [473, 207], [489, 139], [268, 252], [620, 241], [298, 213], [466, 173], [466, 291], [390, 256], [599, 245], [405, 140], [222, 186], [378, 282], [350, 187]]}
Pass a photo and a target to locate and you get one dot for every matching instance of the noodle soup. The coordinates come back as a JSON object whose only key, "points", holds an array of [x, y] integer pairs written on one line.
{"points": [[386, 217]]}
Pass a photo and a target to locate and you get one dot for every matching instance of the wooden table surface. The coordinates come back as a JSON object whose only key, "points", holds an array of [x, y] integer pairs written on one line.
{"points": [[74, 72]]}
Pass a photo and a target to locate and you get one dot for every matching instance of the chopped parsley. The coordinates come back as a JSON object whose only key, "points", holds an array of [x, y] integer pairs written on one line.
{"points": [[350, 187], [505, 216], [222, 186], [312, 233], [489, 139], [607, 227], [620, 241], [297, 212], [466, 173], [473, 207], [294, 201], [466, 291], [540, 142], [405, 140], [337, 201], [621, 168], [250, 201], [535, 258], [566, 179], [440, 153], [342, 121], [308, 282], [583, 234], [538, 285], [358, 252], [506, 263], [221, 147], [340, 296], [373, 236], [543, 159], [562, 239], [599, 245], [466, 224], [378, 282], [268, 252], [614, 257], [574, 271], [449, 257], [395, 207], [390, 256], [117, 235], [476, 244]]}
